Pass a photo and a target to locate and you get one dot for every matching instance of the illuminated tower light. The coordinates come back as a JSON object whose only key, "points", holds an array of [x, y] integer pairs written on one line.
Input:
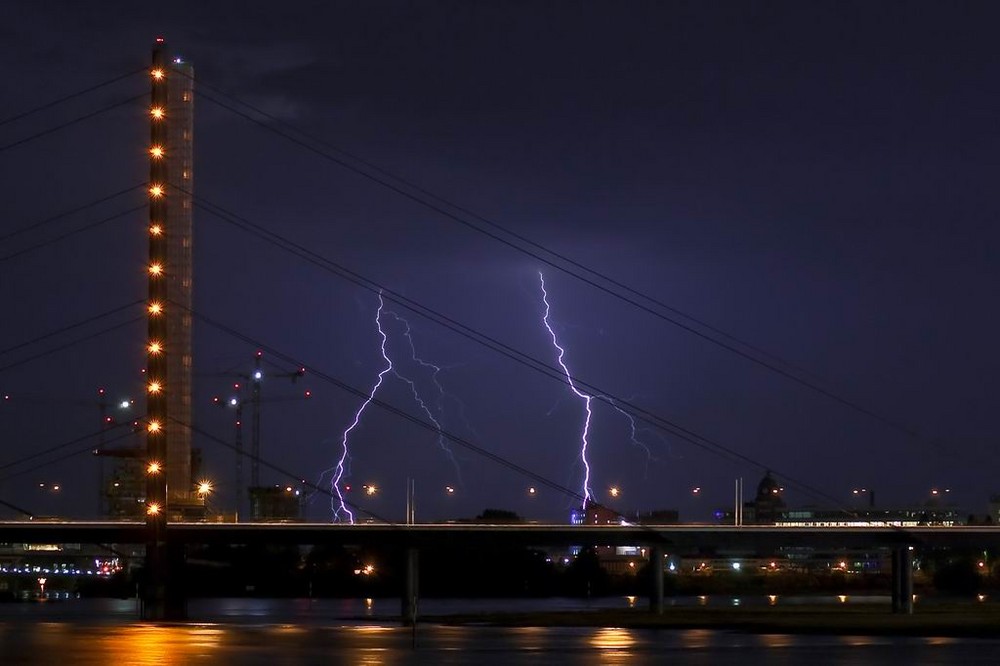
{"points": [[155, 307], [156, 190], [155, 229], [157, 113], [156, 152], [158, 74], [155, 269]]}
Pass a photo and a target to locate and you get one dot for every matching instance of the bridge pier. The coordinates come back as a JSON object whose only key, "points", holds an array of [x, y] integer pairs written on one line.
{"points": [[163, 594], [411, 587], [902, 580], [656, 579]]}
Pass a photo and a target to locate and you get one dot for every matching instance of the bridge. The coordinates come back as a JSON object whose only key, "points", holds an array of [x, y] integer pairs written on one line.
{"points": [[168, 423], [411, 539]]}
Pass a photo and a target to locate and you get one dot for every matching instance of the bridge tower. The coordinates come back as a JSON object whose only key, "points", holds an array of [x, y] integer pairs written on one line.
{"points": [[168, 345]]}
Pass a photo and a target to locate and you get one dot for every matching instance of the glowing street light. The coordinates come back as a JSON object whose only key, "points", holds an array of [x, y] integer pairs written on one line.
{"points": [[449, 490], [532, 491], [204, 488], [614, 491], [370, 489]]}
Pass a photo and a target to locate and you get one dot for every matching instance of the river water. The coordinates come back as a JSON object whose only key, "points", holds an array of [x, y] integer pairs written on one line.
{"points": [[275, 632]]}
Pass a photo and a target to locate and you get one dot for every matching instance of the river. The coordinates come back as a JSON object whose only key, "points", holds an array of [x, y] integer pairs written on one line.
{"points": [[277, 632]]}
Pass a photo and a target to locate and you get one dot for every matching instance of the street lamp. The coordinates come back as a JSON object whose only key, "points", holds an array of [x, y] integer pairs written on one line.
{"points": [[614, 491]]}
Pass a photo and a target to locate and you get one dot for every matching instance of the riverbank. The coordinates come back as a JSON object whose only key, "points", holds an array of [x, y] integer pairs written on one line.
{"points": [[946, 620]]}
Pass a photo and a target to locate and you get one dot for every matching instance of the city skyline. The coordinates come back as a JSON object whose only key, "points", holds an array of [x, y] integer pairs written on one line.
{"points": [[847, 237]]}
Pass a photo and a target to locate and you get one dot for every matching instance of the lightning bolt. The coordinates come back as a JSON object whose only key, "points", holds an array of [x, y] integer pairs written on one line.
{"points": [[633, 430], [435, 371], [337, 503], [584, 444]]}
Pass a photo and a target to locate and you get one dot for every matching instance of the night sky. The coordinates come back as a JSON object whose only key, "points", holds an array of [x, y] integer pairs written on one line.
{"points": [[815, 179]]}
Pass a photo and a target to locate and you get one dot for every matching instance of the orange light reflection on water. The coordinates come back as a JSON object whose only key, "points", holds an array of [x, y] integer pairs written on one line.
{"points": [[153, 645]]}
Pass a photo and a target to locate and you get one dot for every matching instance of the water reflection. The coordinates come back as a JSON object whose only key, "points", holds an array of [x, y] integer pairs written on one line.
{"points": [[773, 641], [612, 638], [152, 645], [696, 638]]}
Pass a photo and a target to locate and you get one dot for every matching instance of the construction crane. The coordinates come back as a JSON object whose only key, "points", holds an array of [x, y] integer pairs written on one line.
{"points": [[254, 380]]}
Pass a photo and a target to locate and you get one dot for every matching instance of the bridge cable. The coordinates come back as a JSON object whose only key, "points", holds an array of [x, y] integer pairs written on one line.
{"points": [[74, 121], [693, 438], [280, 470], [502, 348], [72, 232], [66, 98], [73, 343], [66, 213], [645, 308], [70, 327], [59, 447]]}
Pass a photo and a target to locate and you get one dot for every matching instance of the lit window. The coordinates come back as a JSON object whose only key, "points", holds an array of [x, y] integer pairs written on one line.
{"points": [[186, 96]]}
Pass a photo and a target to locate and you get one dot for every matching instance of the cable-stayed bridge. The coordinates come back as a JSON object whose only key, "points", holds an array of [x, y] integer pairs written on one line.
{"points": [[170, 313]]}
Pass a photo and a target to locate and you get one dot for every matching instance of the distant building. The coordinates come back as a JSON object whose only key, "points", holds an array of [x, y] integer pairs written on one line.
{"points": [[125, 489], [275, 503], [768, 508]]}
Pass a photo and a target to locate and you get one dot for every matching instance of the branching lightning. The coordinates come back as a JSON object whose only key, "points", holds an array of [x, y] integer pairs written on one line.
{"points": [[584, 443], [633, 429], [337, 503], [435, 371]]}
